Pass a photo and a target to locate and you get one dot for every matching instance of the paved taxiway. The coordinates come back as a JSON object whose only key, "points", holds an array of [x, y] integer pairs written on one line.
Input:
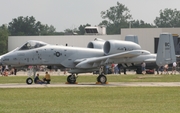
{"points": [[112, 84]]}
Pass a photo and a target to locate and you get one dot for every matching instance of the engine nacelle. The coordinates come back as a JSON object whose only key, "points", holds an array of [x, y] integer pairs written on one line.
{"points": [[118, 46], [97, 44]]}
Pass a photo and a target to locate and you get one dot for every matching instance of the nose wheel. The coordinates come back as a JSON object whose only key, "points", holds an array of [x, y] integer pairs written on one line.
{"points": [[29, 81]]}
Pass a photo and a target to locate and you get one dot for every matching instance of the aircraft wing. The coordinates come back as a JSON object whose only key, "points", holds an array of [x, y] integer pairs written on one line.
{"points": [[95, 61]]}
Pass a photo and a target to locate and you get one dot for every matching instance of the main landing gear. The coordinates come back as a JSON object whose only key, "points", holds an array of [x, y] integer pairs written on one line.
{"points": [[101, 79]]}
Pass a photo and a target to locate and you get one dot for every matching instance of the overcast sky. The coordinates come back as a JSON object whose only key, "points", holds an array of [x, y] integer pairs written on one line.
{"points": [[63, 14]]}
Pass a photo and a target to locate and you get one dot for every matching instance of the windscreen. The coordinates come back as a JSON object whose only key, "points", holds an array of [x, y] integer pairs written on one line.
{"points": [[32, 45]]}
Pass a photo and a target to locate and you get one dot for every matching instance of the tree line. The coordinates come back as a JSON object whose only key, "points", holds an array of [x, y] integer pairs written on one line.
{"points": [[114, 18]]}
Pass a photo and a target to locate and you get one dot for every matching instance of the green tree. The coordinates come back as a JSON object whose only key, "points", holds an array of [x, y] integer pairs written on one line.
{"points": [[29, 26], [3, 39], [46, 30], [104, 22], [117, 14], [168, 18], [117, 17], [81, 28], [71, 31], [140, 24]]}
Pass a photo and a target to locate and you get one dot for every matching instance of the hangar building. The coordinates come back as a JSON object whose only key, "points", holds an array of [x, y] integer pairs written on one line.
{"points": [[148, 38]]}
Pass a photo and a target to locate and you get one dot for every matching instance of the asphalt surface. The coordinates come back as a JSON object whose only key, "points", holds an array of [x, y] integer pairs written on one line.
{"points": [[113, 84]]}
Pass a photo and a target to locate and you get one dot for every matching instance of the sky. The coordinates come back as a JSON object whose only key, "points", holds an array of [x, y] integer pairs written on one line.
{"points": [[70, 14]]}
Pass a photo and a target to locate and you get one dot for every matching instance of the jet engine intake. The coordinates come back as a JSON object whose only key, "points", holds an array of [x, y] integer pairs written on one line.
{"points": [[96, 44], [118, 46]]}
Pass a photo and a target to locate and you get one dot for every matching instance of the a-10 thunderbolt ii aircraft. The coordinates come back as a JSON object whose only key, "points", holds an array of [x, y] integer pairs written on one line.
{"points": [[82, 60]]}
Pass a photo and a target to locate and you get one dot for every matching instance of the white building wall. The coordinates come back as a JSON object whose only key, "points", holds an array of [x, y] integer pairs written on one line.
{"points": [[71, 40], [172, 30]]}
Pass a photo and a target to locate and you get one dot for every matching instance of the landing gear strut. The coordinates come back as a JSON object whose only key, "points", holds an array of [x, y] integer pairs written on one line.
{"points": [[31, 72], [102, 78]]}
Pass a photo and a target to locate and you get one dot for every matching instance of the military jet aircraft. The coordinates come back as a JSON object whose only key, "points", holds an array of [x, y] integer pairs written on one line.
{"points": [[82, 60]]}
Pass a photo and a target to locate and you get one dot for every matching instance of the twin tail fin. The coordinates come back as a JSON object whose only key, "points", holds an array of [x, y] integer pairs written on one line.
{"points": [[166, 50]]}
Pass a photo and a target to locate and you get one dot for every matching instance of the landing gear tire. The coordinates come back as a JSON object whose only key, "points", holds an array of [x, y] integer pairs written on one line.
{"points": [[71, 79], [102, 79], [29, 81]]}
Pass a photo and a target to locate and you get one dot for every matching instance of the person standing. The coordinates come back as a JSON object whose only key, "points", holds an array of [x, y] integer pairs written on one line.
{"points": [[161, 69], [112, 68], [174, 68], [143, 65], [107, 69], [15, 71], [119, 67], [166, 69], [116, 70]]}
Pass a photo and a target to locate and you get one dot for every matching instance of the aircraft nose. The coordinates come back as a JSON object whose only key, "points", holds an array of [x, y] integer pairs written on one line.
{"points": [[1, 60], [4, 60]]}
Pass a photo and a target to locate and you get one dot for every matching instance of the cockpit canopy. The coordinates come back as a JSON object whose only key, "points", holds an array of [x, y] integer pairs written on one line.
{"points": [[32, 44]]}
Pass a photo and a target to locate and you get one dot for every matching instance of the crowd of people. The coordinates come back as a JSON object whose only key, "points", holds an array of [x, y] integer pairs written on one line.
{"points": [[5, 71], [116, 69]]}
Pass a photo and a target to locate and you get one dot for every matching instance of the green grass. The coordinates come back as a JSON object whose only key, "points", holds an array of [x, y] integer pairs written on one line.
{"points": [[92, 78], [91, 100]]}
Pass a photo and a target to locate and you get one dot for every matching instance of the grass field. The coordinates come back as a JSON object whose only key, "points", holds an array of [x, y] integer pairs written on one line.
{"points": [[92, 99]]}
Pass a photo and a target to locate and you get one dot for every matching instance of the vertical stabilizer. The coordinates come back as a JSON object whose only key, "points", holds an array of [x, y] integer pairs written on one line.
{"points": [[132, 38], [166, 52]]}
